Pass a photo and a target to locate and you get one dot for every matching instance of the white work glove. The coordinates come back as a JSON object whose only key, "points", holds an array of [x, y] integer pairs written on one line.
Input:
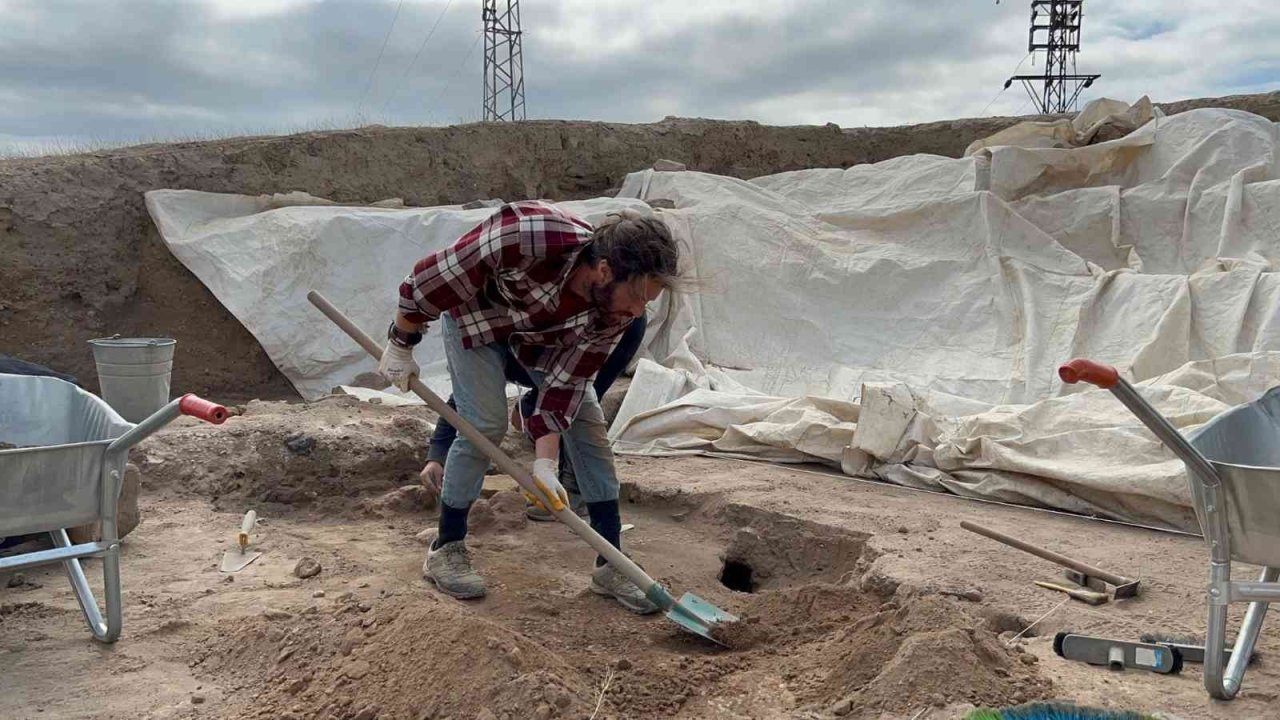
{"points": [[554, 498], [397, 365]]}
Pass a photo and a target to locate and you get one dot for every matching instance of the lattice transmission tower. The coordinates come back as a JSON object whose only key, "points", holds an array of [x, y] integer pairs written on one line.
{"points": [[1055, 29], [503, 61]]}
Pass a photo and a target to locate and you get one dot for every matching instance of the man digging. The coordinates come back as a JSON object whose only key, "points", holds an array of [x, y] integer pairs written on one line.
{"points": [[544, 287]]}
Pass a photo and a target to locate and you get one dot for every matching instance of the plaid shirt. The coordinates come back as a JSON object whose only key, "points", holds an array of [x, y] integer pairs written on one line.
{"points": [[502, 281]]}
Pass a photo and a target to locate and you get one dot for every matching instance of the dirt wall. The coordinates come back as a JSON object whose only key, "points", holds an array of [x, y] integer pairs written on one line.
{"points": [[79, 257]]}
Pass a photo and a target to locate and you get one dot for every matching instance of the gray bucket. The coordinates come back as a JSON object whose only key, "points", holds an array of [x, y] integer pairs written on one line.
{"points": [[134, 374]]}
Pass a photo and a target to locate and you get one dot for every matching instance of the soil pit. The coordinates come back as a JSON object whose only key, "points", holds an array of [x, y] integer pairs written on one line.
{"points": [[368, 638]]}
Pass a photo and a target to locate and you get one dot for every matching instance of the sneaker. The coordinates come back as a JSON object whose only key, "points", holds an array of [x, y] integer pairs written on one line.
{"points": [[449, 567], [536, 513], [608, 582]]}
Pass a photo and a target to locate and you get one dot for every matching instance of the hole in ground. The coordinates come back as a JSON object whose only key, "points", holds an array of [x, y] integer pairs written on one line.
{"points": [[736, 575]]}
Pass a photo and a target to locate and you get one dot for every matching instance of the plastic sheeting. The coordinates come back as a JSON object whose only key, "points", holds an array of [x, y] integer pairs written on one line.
{"points": [[917, 310], [261, 255]]}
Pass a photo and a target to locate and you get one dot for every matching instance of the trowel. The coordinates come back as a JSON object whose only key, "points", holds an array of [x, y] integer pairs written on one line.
{"points": [[238, 558]]}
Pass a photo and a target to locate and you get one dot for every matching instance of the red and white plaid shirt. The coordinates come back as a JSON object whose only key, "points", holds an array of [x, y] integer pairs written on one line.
{"points": [[503, 281]]}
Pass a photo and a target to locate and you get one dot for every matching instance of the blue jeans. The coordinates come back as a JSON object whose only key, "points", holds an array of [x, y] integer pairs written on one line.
{"points": [[479, 392], [445, 434]]}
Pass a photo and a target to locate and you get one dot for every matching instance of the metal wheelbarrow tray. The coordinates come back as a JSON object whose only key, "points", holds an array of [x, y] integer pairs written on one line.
{"points": [[66, 472], [1233, 469]]}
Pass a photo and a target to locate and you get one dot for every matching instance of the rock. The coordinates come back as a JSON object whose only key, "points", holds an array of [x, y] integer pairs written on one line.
{"points": [[318, 594], [405, 499], [17, 580], [296, 686], [350, 642], [1028, 659], [364, 607], [426, 537], [542, 712], [276, 614], [300, 443], [356, 669], [481, 518], [662, 203], [370, 712], [515, 657], [307, 567], [669, 166], [842, 708], [197, 699], [903, 529], [275, 634], [624, 664], [285, 654]]}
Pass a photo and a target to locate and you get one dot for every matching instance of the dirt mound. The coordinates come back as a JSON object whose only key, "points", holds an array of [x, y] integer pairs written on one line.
{"points": [[280, 454], [400, 658]]}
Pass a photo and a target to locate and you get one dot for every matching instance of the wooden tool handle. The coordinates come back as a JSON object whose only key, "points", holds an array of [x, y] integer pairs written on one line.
{"points": [[246, 527], [1049, 555]]}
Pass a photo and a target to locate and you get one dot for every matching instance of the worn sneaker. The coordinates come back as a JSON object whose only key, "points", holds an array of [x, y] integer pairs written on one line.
{"points": [[608, 582], [449, 567]]}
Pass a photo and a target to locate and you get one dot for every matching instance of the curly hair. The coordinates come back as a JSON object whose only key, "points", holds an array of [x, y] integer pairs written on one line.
{"points": [[636, 247]]}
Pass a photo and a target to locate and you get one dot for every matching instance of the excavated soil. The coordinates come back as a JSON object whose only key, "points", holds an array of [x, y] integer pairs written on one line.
{"points": [[360, 635]]}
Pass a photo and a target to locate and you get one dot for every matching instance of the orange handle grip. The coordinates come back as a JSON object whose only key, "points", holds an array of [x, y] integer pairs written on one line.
{"points": [[203, 409], [1081, 370]]}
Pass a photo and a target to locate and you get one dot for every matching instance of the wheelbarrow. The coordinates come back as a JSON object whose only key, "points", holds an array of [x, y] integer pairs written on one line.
{"points": [[1233, 469], [66, 471]]}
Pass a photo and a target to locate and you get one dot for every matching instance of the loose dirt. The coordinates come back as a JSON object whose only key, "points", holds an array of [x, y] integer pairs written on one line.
{"points": [[842, 614]]}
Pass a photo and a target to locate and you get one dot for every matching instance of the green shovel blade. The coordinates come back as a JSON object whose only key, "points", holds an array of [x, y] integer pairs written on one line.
{"points": [[699, 616]]}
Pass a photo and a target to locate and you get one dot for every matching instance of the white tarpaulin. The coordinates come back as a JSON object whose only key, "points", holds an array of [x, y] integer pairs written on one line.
{"points": [[905, 320], [261, 255], [901, 321]]}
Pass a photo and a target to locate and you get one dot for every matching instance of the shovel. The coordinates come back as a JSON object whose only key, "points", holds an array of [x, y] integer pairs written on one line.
{"points": [[689, 612], [239, 558]]}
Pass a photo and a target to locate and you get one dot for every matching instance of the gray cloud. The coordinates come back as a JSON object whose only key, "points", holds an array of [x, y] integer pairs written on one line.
{"points": [[116, 71]]}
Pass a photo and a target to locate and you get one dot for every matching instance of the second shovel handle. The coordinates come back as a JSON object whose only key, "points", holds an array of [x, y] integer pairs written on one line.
{"points": [[1049, 555]]}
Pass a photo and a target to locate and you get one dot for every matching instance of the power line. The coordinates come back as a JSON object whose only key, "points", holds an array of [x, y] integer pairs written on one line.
{"points": [[997, 95], [412, 62], [465, 58], [378, 62]]}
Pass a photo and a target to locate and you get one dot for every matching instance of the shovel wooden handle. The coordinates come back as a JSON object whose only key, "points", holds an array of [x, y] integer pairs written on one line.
{"points": [[523, 478], [1049, 555], [246, 527]]}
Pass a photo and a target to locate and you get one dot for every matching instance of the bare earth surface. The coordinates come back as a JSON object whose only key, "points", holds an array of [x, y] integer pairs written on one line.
{"points": [[869, 601]]}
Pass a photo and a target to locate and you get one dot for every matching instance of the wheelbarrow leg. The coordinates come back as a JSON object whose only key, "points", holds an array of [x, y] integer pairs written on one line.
{"points": [[108, 630], [1224, 684]]}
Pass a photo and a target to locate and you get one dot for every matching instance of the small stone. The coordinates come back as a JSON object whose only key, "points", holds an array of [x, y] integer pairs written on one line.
{"points": [[307, 567], [276, 614], [514, 657], [364, 584], [229, 579], [904, 530], [350, 642], [426, 537], [318, 594], [542, 712], [285, 654], [197, 699], [369, 622], [17, 580], [370, 712], [842, 708], [492, 643], [356, 669], [275, 634], [668, 166], [296, 686], [563, 700], [300, 443], [624, 664], [1028, 659], [364, 606]]}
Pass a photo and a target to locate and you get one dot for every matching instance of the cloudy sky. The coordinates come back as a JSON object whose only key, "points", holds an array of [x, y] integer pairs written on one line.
{"points": [[108, 72]]}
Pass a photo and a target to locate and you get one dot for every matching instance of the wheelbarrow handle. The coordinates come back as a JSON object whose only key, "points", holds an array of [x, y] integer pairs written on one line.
{"points": [[198, 407], [1082, 370], [1108, 378]]}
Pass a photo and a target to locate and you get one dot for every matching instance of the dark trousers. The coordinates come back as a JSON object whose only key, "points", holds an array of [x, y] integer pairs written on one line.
{"points": [[442, 439]]}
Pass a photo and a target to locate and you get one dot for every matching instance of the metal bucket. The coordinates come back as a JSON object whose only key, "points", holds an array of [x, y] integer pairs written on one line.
{"points": [[134, 374]]}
